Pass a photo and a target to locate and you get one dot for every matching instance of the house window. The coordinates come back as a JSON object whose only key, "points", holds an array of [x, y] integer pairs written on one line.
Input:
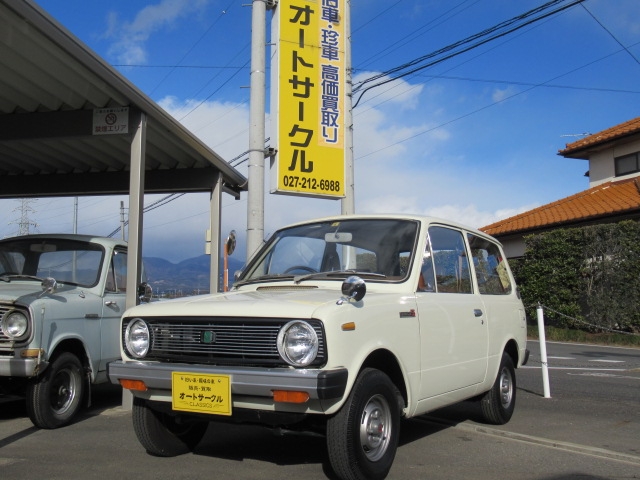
{"points": [[627, 164]]}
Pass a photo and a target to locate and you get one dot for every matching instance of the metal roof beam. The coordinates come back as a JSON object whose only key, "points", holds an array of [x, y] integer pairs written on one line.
{"points": [[107, 183]]}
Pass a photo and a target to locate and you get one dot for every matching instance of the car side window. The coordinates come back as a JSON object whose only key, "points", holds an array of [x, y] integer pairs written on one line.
{"points": [[450, 260], [427, 280], [491, 270], [117, 277]]}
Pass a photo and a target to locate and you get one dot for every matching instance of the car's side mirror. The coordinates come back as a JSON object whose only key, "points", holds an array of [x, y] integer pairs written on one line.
{"points": [[49, 285], [144, 292], [353, 288]]}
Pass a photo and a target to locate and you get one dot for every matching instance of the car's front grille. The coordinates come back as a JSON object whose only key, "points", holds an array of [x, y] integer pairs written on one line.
{"points": [[227, 341]]}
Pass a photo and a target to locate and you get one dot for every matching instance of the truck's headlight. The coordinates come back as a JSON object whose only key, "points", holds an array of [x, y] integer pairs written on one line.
{"points": [[298, 343], [15, 324], [136, 338]]}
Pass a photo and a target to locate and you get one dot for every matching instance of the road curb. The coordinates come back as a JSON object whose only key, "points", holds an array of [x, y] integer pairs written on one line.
{"points": [[545, 442]]}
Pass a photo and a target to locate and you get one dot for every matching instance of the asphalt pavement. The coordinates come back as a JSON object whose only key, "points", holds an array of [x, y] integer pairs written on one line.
{"points": [[589, 430]]}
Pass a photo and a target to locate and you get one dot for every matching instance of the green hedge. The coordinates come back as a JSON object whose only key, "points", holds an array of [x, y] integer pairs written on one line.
{"points": [[586, 278]]}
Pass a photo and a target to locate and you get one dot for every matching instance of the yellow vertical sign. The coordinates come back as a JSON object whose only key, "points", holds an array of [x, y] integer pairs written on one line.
{"points": [[311, 98]]}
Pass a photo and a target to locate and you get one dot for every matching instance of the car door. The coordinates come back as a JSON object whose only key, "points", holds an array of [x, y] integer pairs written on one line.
{"points": [[453, 327], [113, 307]]}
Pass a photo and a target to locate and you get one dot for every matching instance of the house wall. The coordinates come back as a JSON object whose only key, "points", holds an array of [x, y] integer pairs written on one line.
{"points": [[602, 166], [513, 247]]}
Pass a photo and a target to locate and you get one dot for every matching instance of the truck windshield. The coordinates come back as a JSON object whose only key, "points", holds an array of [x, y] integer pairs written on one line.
{"points": [[384, 247], [68, 261]]}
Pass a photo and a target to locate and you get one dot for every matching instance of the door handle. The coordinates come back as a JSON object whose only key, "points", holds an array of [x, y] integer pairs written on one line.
{"points": [[477, 312], [111, 303]]}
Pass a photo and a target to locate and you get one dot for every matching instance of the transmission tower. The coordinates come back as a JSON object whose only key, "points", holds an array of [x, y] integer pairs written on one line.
{"points": [[24, 210]]}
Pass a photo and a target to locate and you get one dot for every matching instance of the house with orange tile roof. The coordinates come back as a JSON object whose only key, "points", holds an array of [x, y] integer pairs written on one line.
{"points": [[614, 194]]}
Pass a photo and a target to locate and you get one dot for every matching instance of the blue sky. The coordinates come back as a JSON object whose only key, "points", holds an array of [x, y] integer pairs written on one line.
{"points": [[473, 138]]}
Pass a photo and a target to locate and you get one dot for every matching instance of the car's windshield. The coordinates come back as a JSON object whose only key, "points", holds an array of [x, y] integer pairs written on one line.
{"points": [[384, 247], [68, 261]]}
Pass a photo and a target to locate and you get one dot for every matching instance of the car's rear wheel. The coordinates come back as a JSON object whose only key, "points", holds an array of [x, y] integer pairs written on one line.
{"points": [[499, 402], [163, 434], [362, 437], [54, 398]]}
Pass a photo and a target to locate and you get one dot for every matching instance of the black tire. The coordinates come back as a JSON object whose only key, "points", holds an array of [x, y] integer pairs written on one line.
{"points": [[162, 434], [362, 437], [55, 397], [499, 402]]}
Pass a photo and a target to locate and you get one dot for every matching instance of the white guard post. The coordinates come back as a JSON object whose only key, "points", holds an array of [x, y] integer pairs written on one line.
{"points": [[543, 352]]}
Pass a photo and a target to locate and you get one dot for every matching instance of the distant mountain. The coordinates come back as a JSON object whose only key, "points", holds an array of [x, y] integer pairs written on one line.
{"points": [[189, 277]]}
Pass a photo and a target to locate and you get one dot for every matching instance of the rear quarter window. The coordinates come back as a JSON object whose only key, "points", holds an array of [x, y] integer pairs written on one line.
{"points": [[490, 266]]}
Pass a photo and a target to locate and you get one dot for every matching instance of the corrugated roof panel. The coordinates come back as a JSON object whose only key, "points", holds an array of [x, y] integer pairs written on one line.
{"points": [[44, 68]]}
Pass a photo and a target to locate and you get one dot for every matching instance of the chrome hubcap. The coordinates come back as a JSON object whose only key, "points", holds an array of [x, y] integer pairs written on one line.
{"points": [[506, 388], [375, 428], [63, 390]]}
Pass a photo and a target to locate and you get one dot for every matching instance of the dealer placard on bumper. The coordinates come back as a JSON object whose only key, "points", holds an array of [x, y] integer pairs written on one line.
{"points": [[201, 393]]}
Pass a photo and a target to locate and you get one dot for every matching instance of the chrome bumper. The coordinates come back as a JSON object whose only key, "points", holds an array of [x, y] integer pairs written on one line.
{"points": [[18, 367], [249, 381]]}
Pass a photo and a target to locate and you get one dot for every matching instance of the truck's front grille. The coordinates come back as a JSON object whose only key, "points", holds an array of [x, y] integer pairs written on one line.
{"points": [[224, 341]]}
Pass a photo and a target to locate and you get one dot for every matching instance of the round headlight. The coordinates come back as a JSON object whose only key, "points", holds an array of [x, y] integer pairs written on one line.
{"points": [[136, 338], [298, 343], [15, 324]]}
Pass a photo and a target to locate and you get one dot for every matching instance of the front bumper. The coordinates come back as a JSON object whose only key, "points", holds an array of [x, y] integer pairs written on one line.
{"points": [[18, 367], [245, 381]]}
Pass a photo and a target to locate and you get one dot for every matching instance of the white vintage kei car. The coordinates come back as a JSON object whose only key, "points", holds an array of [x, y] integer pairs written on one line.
{"points": [[340, 326]]}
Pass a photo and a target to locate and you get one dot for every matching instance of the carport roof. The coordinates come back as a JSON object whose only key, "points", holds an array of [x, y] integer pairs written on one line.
{"points": [[50, 85]]}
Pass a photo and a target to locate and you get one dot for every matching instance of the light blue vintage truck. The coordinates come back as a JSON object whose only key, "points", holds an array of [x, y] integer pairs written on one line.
{"points": [[61, 299]]}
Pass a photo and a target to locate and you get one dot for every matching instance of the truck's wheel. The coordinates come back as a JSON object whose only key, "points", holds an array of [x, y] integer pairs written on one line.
{"points": [[164, 435], [55, 397], [498, 403], [362, 437]]}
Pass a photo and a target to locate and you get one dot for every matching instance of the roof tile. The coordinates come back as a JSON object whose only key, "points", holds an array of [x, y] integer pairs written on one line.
{"points": [[627, 128], [614, 197]]}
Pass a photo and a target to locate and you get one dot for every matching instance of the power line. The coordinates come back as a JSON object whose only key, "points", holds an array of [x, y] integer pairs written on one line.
{"points": [[611, 34], [475, 41], [157, 204], [533, 86], [192, 47], [446, 16]]}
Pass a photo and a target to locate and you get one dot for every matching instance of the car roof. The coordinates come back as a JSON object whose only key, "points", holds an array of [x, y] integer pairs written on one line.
{"points": [[104, 241], [425, 219]]}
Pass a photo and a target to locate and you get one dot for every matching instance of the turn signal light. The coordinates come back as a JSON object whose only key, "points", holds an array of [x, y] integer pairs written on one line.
{"points": [[137, 385], [32, 353], [286, 396]]}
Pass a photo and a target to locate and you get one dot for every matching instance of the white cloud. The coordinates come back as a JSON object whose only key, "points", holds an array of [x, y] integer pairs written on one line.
{"points": [[130, 37], [500, 94]]}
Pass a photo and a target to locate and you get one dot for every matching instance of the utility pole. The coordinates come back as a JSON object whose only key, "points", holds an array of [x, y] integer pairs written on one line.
{"points": [[255, 199], [75, 215], [348, 205], [122, 220]]}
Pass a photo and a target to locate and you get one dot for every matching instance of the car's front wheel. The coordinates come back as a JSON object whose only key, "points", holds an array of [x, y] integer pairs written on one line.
{"points": [[362, 437], [162, 434], [54, 398]]}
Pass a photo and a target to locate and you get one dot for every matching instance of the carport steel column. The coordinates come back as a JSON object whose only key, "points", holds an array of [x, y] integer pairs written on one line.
{"points": [[136, 205]]}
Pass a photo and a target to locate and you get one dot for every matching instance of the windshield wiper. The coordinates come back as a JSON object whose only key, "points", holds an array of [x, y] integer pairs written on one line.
{"points": [[336, 273], [277, 276], [7, 277]]}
